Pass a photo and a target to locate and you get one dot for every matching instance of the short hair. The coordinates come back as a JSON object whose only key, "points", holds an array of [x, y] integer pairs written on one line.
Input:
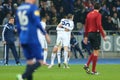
{"points": [[11, 18], [97, 6], [69, 16]]}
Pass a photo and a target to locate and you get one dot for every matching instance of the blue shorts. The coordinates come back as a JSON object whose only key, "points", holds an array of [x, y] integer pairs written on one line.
{"points": [[32, 51]]}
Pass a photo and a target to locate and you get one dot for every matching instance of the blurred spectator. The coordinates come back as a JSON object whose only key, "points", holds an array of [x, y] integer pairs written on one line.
{"points": [[116, 21], [6, 19], [54, 10], [113, 10], [54, 21], [1, 13], [68, 6]]}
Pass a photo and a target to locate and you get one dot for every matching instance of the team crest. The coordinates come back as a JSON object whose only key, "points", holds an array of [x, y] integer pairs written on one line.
{"points": [[37, 13]]}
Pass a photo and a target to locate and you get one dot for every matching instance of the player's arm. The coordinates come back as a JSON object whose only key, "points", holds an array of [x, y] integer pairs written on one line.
{"points": [[86, 28], [100, 26], [3, 34], [69, 27], [59, 27], [86, 32]]}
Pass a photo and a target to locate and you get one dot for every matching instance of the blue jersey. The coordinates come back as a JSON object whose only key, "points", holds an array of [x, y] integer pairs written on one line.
{"points": [[28, 21]]}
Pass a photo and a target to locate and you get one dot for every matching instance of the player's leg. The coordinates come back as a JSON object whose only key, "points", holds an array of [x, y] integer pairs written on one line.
{"points": [[53, 55], [30, 53], [45, 52], [86, 66], [6, 51], [14, 51], [95, 59], [59, 46], [45, 55], [96, 47], [66, 43], [65, 54], [69, 53], [88, 48], [79, 50], [59, 55], [75, 52]]}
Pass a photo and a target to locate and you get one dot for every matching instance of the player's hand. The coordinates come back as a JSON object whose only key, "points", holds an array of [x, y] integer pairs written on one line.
{"points": [[47, 38], [85, 40], [105, 38], [66, 30], [15, 30], [4, 42]]}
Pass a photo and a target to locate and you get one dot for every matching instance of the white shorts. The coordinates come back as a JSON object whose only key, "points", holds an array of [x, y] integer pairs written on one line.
{"points": [[62, 39], [42, 40]]}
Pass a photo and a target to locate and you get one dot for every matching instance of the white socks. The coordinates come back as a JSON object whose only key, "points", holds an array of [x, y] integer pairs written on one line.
{"points": [[45, 56], [53, 55], [58, 56], [65, 57]]}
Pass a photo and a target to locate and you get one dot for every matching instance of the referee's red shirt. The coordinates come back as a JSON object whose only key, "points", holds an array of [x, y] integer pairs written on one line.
{"points": [[93, 23]]}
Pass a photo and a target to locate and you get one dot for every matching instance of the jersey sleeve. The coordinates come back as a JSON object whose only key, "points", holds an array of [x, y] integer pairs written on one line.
{"points": [[3, 32], [36, 17], [99, 24], [86, 28], [60, 29]]}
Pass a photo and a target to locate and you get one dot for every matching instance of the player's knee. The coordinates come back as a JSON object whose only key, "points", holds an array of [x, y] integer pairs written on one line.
{"points": [[55, 50]]}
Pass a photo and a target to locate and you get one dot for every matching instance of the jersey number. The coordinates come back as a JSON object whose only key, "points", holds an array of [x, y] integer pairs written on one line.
{"points": [[65, 23], [23, 18]]}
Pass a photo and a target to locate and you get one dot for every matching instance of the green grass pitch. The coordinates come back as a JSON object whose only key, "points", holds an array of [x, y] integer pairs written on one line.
{"points": [[76, 72]]}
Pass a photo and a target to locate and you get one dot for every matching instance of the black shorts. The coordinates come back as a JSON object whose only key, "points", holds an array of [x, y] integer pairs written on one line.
{"points": [[95, 40]]}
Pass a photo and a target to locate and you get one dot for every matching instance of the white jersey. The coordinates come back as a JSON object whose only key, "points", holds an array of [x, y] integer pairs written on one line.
{"points": [[62, 35], [41, 37]]}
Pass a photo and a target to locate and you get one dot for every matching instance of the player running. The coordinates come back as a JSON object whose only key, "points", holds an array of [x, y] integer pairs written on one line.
{"points": [[28, 21]]}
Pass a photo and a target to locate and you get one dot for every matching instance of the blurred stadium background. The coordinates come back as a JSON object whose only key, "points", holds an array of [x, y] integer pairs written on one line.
{"points": [[109, 49], [54, 10]]}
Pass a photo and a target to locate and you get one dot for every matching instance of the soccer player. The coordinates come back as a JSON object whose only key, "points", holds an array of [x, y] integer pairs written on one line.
{"points": [[93, 29], [28, 21], [53, 55], [42, 40], [68, 25], [64, 28]]}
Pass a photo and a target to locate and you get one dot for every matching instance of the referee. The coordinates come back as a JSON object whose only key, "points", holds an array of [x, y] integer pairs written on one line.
{"points": [[8, 38], [93, 29]]}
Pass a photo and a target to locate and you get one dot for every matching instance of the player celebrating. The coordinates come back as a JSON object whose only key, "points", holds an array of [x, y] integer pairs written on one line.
{"points": [[28, 21], [93, 28], [64, 28]]}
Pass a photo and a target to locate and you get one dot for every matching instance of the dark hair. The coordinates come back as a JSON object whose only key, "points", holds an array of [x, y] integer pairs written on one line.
{"points": [[97, 6]]}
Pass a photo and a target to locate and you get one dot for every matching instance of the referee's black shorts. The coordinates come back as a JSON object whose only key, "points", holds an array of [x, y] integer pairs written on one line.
{"points": [[95, 40]]}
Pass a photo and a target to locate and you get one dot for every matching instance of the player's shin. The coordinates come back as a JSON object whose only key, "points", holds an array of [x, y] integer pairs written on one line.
{"points": [[65, 57], [53, 55], [45, 56], [58, 56]]}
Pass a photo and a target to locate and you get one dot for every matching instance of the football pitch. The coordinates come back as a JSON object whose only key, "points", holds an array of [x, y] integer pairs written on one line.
{"points": [[75, 72]]}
